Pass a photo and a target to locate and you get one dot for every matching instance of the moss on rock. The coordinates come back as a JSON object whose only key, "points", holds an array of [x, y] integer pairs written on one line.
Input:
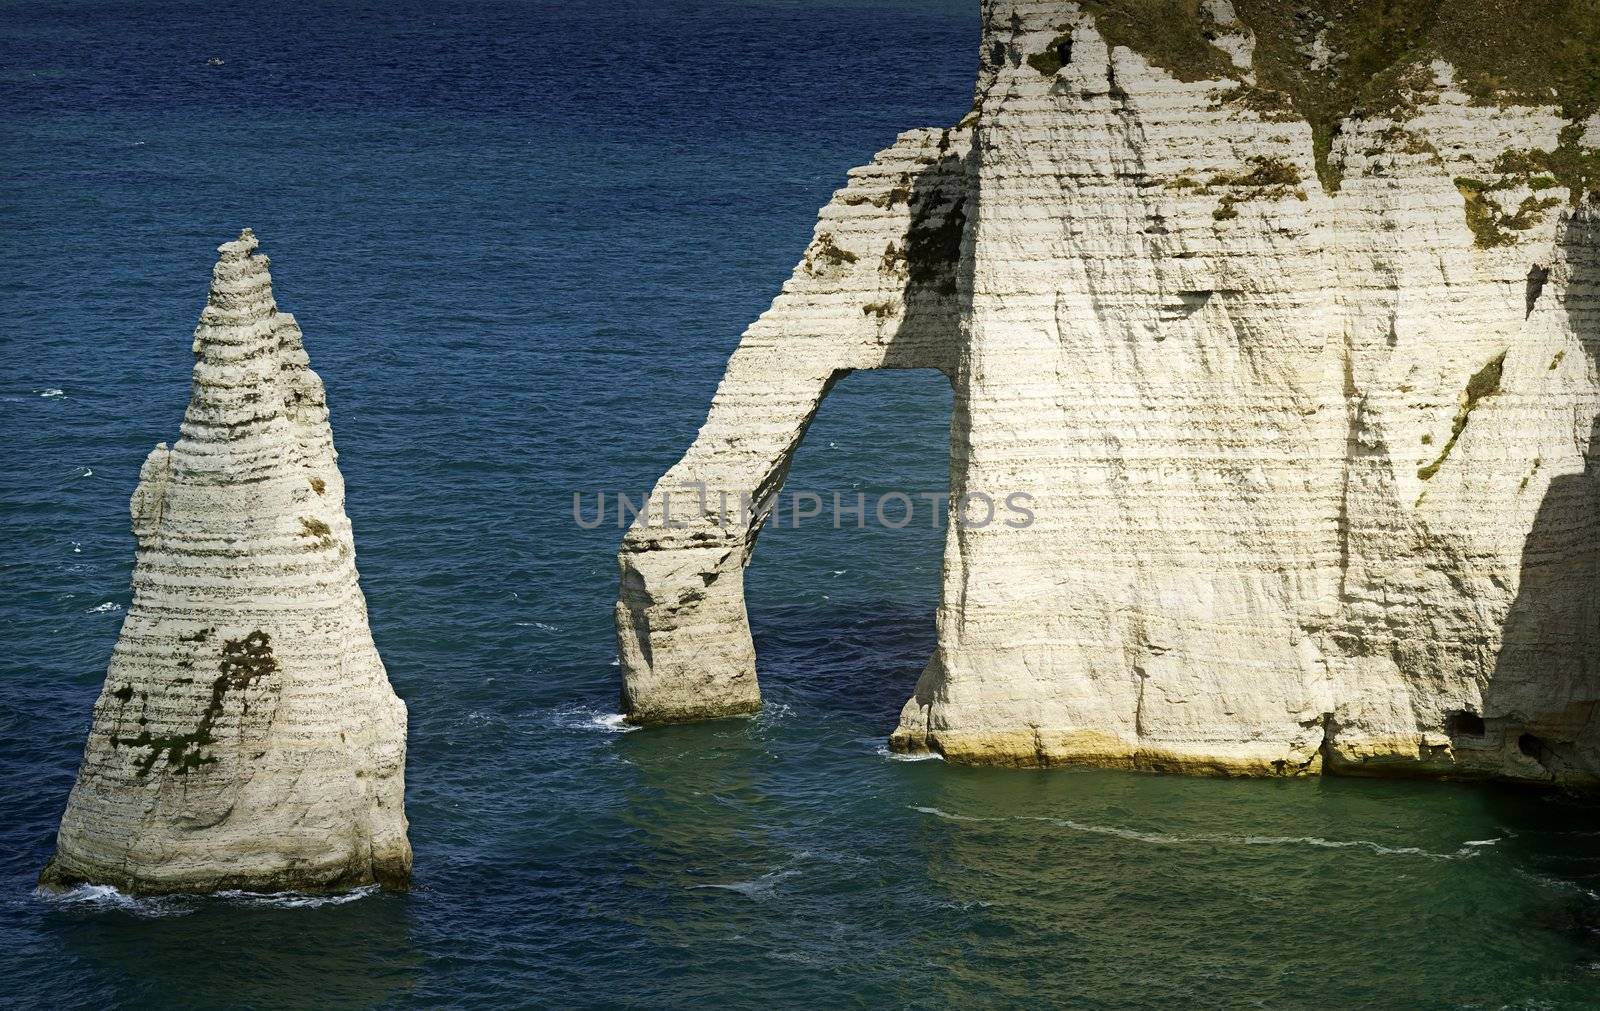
{"points": [[1332, 60], [1484, 383], [1050, 61], [1172, 34]]}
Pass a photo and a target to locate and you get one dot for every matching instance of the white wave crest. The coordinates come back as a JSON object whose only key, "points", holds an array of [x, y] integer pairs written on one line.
{"points": [[771, 713], [908, 756], [757, 889], [588, 718], [105, 608], [106, 899], [1560, 884], [1466, 851], [946, 815], [297, 900]]}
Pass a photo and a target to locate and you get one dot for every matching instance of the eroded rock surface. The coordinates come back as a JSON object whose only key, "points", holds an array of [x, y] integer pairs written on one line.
{"points": [[1286, 317], [246, 736]]}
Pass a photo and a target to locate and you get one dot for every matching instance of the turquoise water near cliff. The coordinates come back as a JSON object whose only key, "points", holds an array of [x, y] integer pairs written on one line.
{"points": [[522, 239]]}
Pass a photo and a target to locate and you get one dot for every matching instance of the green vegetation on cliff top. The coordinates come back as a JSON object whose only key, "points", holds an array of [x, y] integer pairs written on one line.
{"points": [[1334, 59], [1172, 34]]}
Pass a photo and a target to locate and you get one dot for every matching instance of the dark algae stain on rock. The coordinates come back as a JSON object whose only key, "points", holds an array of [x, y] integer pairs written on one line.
{"points": [[1568, 164], [830, 252], [244, 661], [1481, 216], [1268, 179], [242, 664]]}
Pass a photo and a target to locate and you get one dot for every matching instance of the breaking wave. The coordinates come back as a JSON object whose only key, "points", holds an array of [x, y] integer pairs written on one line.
{"points": [[760, 888], [1560, 884], [589, 718], [106, 899], [883, 751], [296, 900], [772, 713]]}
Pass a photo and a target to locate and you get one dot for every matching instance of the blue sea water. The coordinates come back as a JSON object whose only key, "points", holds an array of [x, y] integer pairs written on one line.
{"points": [[522, 239]]}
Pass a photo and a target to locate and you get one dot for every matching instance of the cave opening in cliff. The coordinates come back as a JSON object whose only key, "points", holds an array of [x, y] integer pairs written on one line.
{"points": [[841, 603], [1465, 724]]}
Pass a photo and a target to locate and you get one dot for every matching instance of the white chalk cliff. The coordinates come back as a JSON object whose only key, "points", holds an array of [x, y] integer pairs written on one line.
{"points": [[1286, 315], [246, 736]]}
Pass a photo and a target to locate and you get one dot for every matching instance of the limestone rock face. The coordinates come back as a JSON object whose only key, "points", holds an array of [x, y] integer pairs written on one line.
{"points": [[246, 736], [1293, 344]]}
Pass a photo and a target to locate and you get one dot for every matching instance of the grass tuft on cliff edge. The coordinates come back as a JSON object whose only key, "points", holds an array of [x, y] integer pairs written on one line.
{"points": [[1172, 34], [1331, 60]]}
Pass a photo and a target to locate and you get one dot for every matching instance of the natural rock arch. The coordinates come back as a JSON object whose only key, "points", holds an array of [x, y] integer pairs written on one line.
{"points": [[878, 288], [1226, 323]]}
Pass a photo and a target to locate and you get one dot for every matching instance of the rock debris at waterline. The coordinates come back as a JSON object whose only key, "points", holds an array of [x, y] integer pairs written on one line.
{"points": [[1297, 366], [246, 736]]}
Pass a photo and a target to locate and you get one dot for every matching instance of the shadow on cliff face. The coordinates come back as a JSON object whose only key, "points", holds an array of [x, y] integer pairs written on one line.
{"points": [[941, 261], [938, 292], [1542, 705]]}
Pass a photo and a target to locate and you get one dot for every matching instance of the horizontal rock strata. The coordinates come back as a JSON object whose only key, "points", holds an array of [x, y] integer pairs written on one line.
{"points": [[246, 736], [1285, 315]]}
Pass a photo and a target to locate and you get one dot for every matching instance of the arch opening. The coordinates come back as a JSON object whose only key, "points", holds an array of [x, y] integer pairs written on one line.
{"points": [[842, 604], [882, 286]]}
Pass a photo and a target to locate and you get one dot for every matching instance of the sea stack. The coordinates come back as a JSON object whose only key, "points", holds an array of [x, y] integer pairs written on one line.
{"points": [[1285, 319], [247, 736]]}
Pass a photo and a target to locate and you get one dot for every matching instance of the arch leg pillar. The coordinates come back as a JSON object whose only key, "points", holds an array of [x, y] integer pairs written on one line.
{"points": [[683, 636]]}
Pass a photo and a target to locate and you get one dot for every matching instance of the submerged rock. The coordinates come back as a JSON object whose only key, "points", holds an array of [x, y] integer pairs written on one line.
{"points": [[1287, 325], [246, 736]]}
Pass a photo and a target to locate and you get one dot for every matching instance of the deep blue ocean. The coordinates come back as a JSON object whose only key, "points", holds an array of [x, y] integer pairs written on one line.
{"points": [[522, 240]]}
